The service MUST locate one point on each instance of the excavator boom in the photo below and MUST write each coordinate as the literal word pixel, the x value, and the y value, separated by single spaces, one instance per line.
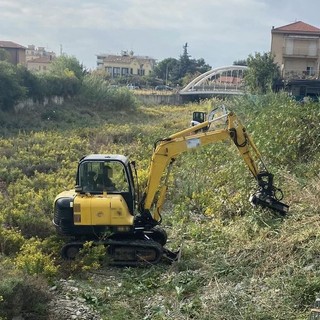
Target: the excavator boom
pixel 166 151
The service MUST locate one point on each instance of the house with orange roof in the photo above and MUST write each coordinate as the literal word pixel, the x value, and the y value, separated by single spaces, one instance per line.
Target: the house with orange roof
pixel 296 48
pixel 39 59
pixel 40 64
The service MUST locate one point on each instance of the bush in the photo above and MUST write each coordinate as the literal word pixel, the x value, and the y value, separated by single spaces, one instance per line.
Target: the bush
pixel 33 261
pixel 11 91
pixel 97 93
pixel 23 296
pixel 11 241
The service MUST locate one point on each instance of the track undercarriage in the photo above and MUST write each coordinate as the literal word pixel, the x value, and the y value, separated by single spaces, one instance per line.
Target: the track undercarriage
pixel 125 251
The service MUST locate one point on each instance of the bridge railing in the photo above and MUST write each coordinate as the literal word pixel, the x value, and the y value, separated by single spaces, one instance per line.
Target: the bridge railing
pixel 216 80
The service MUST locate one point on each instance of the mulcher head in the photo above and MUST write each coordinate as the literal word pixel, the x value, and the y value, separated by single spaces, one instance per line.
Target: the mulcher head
pixel 267 201
pixel 268 196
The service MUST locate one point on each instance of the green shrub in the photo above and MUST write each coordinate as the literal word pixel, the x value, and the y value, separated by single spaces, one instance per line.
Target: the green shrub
pixel 11 91
pixel 33 261
pixel 11 241
pixel 97 93
pixel 23 296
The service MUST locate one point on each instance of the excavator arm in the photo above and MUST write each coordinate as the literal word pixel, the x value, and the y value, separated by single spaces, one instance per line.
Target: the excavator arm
pixel 166 151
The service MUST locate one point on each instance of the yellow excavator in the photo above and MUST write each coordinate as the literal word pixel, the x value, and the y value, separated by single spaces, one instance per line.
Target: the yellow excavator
pixel 104 207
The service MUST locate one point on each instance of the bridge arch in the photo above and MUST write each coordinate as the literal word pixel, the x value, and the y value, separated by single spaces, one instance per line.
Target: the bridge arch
pixel 222 80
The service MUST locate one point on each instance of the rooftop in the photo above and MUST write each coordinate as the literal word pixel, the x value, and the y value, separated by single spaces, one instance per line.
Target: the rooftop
pixel 297 27
pixel 10 44
pixel 125 59
pixel 43 59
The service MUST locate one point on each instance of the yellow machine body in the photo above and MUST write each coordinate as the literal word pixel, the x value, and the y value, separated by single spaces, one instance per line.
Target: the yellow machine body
pixel 104 210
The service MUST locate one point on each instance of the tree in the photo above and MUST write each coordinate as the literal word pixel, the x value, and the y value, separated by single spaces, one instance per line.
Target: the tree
pixel 4 55
pixel 262 73
pixel 186 66
pixel 240 63
pixel 65 76
pixel 190 68
pixel 166 69
pixel 67 66
pixel 31 82
pixel 178 71
pixel 202 66
pixel 11 91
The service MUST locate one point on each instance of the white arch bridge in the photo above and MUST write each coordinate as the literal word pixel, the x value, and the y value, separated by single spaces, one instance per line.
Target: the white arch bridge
pixel 220 81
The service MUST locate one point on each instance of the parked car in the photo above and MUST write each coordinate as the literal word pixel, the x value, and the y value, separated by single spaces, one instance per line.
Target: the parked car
pixel 163 87
pixel 132 87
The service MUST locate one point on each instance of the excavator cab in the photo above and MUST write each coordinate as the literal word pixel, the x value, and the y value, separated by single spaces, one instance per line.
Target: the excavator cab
pixel 111 174
pixel 198 117
pixel 103 198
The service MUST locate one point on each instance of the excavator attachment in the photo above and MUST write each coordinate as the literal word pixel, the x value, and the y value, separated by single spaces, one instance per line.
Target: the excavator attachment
pixel 266 201
pixel 268 196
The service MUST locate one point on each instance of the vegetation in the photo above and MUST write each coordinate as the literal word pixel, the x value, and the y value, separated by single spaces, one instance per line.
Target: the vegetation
pixel 262 73
pixel 237 262
pixel 180 71
pixel 66 78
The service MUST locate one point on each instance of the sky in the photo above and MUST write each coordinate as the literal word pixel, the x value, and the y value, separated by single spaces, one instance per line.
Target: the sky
pixel 219 31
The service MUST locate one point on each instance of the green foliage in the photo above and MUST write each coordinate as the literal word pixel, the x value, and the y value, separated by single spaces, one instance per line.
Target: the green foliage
pixel 65 84
pixel 98 93
pixel 33 261
pixel 262 73
pixel 236 261
pixel 22 295
pixel 11 241
pixel 31 82
pixel 90 258
pixel 179 71
pixel 11 90
pixel 4 55
pixel 67 66
pixel 293 137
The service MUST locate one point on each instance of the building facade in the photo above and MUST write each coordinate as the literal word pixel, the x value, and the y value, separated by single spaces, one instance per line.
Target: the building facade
pixel 125 64
pixel 296 48
pixel 17 52
pixel 33 52
pixel 38 59
pixel 41 64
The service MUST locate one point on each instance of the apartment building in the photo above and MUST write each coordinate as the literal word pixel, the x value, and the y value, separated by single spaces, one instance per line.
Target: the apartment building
pixel 296 47
pixel 33 52
pixel 17 52
pixel 125 64
pixel 38 59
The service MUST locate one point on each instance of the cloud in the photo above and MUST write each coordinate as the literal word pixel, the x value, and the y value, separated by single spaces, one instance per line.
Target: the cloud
pixel 218 31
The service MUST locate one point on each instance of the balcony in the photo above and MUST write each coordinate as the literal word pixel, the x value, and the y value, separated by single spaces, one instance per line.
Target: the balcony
pixel 300 74
pixel 301 52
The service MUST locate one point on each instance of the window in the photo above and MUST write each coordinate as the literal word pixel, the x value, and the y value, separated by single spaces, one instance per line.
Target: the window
pixel 109 70
pixel 310 71
pixel 124 71
pixel 116 71
pixel 98 176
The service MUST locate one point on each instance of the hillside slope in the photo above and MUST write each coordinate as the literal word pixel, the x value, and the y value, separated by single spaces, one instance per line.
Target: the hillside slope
pixel 237 262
